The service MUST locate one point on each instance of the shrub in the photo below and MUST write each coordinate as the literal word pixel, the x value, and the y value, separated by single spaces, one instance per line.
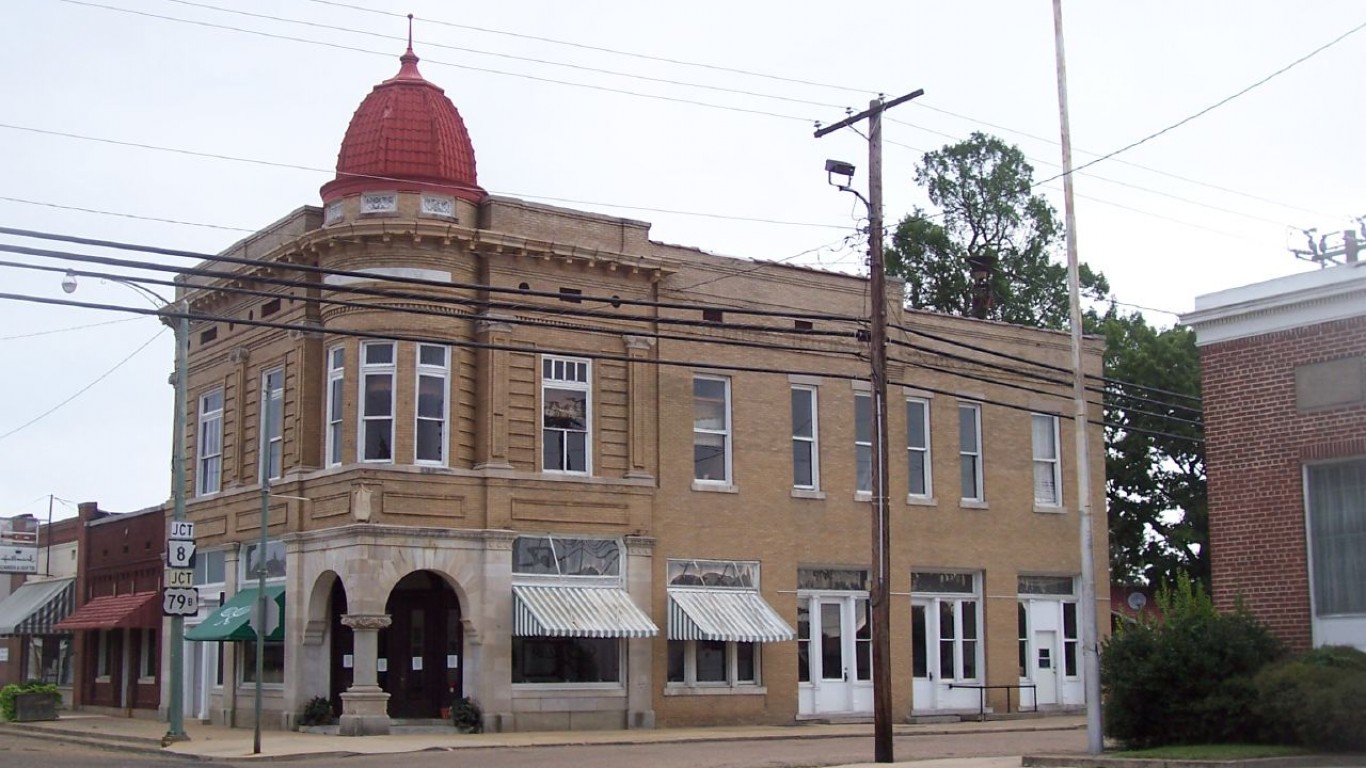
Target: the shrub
pixel 318 711
pixel 8 693
pixel 1317 699
pixel 1186 679
pixel 466 715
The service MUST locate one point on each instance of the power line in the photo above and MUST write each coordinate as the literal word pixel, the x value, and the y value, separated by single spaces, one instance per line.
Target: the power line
pixel 84 389
pixel 135 216
pixel 373 177
pixel 1216 104
pixel 36 334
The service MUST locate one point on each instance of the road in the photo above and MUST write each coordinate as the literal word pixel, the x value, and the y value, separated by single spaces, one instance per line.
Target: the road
pixel 24 752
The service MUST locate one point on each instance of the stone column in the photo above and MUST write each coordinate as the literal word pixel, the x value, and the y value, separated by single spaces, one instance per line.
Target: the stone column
pixel 491 448
pixel 365 706
pixel 640 712
pixel 639 377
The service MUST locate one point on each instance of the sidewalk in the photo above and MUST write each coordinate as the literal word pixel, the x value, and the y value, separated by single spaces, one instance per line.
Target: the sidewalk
pixel 210 742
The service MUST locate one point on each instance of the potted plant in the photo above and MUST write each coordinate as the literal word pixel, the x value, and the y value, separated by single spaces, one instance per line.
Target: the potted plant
pixel 466 715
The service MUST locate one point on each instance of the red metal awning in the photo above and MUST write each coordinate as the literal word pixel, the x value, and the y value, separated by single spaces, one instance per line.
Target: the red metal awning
pixel 135 610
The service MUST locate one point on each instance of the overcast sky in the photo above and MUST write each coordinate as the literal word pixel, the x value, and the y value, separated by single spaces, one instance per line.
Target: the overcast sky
pixel 1203 207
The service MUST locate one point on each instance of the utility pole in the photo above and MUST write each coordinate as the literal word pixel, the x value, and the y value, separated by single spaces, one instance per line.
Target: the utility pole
pixel 1090 643
pixel 879 593
pixel 175 708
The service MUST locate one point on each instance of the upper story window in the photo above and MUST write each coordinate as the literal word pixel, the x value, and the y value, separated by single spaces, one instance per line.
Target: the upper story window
pixel 377 401
pixel 863 442
pixel 711 429
pixel 433 404
pixel 566 414
pixel 919 478
pixel 806 472
pixel 209 476
pixel 970 450
pixel 1047 467
pixel 273 420
pixel 209 567
pixel 336 368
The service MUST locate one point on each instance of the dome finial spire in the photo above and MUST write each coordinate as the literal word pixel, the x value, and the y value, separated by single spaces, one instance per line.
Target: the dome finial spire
pixel 410 33
pixel 408 69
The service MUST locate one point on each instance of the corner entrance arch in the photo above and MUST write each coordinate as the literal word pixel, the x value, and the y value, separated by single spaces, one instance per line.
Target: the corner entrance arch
pixel 420 653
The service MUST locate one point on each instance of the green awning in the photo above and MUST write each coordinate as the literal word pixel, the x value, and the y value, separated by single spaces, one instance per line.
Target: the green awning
pixel 232 620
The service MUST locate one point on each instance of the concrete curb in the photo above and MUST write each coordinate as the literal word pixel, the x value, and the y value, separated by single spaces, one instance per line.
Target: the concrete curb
pixel 1101 761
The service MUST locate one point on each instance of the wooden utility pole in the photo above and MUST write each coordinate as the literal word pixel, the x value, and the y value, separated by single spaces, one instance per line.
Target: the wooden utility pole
pixel 879 592
pixel 1090 642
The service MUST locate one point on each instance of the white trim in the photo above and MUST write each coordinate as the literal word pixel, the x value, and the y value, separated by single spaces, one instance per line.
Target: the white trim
pixel 726 433
pixel 414 273
pixel 1057 501
pixel 265 464
pixel 377 369
pixel 209 417
pixel 1285 303
pixel 814 440
pixel 928 451
pixel 332 443
pixel 979 454
pixel 572 384
pixel 864 494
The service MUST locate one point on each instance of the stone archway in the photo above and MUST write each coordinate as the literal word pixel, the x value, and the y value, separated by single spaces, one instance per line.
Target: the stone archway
pixel 422 647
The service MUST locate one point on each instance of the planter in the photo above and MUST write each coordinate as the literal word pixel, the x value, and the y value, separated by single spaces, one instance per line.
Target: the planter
pixel 31 707
pixel 445 713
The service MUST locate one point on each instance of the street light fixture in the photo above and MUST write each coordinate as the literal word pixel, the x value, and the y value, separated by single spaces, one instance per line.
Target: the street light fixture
pixel 175 715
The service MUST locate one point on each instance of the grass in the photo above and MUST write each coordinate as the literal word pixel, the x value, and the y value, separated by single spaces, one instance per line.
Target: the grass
pixel 1212 752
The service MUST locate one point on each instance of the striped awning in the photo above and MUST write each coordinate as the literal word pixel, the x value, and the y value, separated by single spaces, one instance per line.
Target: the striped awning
pixel 729 615
pixel 36 607
pixel 568 611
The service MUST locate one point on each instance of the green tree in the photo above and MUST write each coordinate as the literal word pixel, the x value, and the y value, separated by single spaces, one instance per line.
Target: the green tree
pixel 1155 478
pixel 982 188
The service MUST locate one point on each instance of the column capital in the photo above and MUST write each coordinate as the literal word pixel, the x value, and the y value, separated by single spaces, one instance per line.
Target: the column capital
pixel 375 621
pixel 638 343
pixel 490 324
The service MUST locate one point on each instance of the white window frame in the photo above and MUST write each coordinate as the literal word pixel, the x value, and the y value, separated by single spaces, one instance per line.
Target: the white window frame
pixel 861 492
pixel 376 369
pixel 927 466
pixel 274 444
pixel 1039 461
pixel 935 644
pixel 209 481
pixel 335 397
pixel 725 433
pixel 549 365
pixel 442 373
pixel 732 681
pixel 976 456
pixel 811 441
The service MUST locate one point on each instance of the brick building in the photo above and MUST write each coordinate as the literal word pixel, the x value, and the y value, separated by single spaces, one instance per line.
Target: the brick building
pixel 33 600
pixel 529 455
pixel 117 620
pixel 1284 388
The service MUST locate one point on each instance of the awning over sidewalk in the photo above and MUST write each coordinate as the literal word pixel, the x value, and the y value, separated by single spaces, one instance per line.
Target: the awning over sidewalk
pixel 728 615
pixel 36 607
pixel 134 610
pixel 567 611
pixel 232 620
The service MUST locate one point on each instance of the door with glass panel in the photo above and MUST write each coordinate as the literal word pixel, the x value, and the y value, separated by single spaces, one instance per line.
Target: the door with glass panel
pixel 835 652
pixel 946 641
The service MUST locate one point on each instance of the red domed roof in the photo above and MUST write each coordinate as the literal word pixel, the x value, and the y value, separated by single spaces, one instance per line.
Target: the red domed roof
pixel 406 135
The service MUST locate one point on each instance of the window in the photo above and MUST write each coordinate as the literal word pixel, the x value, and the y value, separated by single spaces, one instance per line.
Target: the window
pixel 1022 624
pixel 947 623
pixel 806 471
pixel 251 562
pixel 336 368
pixel 433 372
pixel 272 667
pixel 970 450
pixel 147 658
pixel 1070 641
pixel 272 406
pixel 377 401
pixel 566 660
pixel 711 429
pixel 209 476
pixel 208 567
pixel 1336 503
pixel 1047 467
pixel 863 442
pixel 714 662
pixel 566 412
pixel 102 654
pixel 557 556
pixel 918 475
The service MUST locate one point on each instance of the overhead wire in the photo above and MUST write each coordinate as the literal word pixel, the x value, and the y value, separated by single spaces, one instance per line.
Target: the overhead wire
pixel 53 331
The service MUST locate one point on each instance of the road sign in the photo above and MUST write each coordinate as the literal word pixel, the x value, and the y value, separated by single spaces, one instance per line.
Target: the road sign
pixel 178 577
pixel 179 601
pixel 272 617
pixel 180 530
pixel 180 554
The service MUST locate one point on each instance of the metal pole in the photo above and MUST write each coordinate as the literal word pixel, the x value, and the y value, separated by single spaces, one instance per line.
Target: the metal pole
pixel 1095 739
pixel 175 710
pixel 47 570
pixel 881 604
pixel 264 459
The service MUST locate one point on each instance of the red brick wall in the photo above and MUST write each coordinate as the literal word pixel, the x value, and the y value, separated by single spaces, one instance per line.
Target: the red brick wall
pixel 1256 444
